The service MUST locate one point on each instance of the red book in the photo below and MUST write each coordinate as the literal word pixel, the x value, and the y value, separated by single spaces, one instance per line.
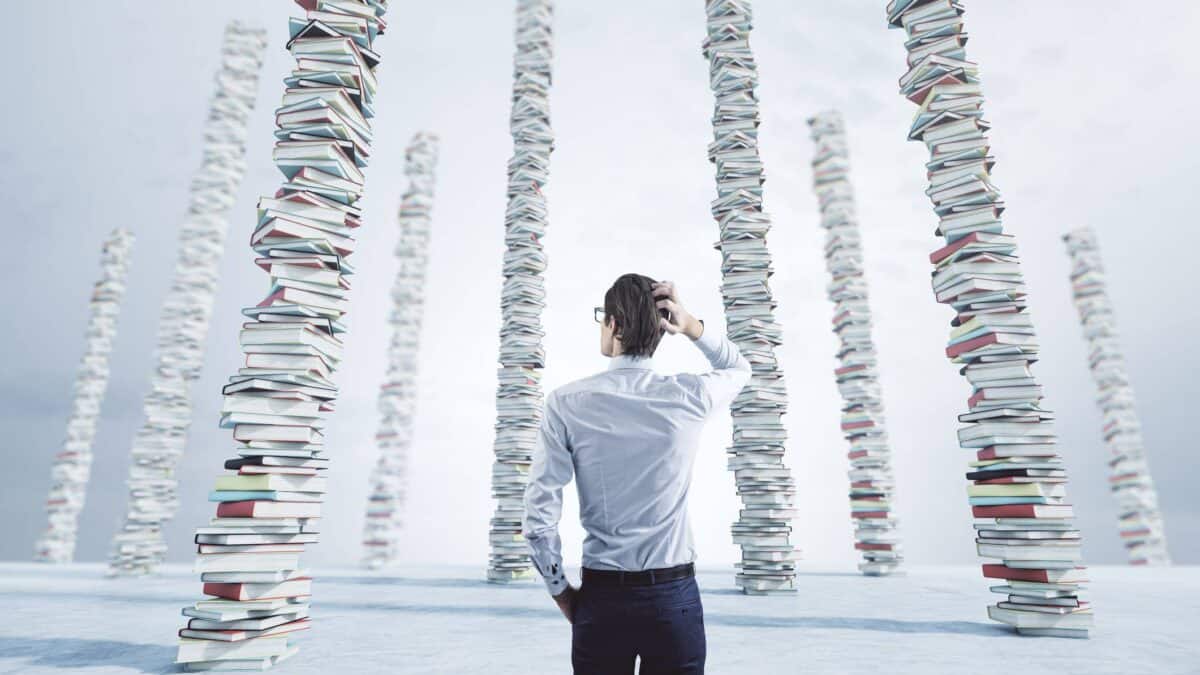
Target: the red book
pixel 1069 576
pixel 268 509
pixel 1024 511
pixel 949 250
pixel 872 547
pixel 848 369
pixel 918 96
pixel 971 345
pixel 292 588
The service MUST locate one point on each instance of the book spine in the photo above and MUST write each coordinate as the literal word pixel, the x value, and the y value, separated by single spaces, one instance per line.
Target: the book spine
pixel 1140 524
pixel 875 531
pixel 397 394
pixel 72 466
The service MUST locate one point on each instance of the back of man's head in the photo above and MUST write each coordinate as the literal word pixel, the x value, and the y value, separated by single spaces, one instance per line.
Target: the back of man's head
pixel 630 304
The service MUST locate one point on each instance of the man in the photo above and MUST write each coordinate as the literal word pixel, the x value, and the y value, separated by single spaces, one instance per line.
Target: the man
pixel 629 436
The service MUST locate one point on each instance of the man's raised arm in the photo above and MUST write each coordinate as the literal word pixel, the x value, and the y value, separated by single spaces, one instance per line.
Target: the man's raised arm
pixel 731 370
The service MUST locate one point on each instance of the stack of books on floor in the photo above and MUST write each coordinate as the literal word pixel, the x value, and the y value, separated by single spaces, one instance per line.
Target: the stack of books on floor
pixel 1139 518
pixel 398 394
pixel 73 464
pixel 138 548
pixel 519 392
pixel 269 505
pixel 1017 495
pixel 764 482
pixel 872 484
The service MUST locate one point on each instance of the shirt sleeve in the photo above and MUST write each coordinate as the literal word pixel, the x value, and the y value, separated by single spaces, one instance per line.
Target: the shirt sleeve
pixel 730 373
pixel 552 469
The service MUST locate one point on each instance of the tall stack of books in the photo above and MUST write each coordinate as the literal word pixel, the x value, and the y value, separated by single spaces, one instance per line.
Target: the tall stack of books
pixel 871 481
pixel 519 393
pixel 269 504
pixel 398 395
pixel 73 464
pixel 764 483
pixel 1139 520
pixel 138 547
pixel 1018 495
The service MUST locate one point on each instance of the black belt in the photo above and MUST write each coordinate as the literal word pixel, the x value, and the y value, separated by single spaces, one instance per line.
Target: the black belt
pixel 642 578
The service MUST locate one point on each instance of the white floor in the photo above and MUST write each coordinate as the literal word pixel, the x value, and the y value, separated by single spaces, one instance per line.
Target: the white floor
pixel 72 619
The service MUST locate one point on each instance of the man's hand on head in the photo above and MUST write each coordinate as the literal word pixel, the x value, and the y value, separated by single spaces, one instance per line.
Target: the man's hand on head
pixel 681 321
pixel 566 602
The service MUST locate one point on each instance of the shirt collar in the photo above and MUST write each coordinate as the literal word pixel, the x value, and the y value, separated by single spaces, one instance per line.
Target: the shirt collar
pixel 624 361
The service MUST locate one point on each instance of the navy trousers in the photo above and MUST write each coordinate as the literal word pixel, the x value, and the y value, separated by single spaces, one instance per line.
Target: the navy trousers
pixel 663 624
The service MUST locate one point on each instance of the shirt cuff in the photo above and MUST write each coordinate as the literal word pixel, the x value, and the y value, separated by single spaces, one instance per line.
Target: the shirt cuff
pixel 709 341
pixel 556 581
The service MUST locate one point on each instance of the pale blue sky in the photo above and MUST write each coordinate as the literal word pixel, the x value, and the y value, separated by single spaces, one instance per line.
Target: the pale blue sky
pixel 1093 115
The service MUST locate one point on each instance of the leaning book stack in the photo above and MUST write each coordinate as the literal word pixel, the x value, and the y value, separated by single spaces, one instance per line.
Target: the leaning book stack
pixel 1017 492
pixel 138 548
pixel 1139 520
pixel 764 483
pixel 398 394
pixel 269 503
pixel 863 424
pixel 73 464
pixel 519 390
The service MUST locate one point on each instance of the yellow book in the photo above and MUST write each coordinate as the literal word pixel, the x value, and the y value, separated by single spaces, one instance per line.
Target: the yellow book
pixel 270 481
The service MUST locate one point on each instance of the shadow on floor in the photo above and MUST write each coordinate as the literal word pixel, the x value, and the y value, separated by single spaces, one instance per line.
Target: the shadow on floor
pixel 77 653
pixel 858 623
pixel 418 582
pixel 728 620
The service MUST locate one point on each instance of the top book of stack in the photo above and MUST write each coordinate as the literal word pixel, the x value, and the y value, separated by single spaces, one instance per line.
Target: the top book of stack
pixel 1018 496
pixel 269 505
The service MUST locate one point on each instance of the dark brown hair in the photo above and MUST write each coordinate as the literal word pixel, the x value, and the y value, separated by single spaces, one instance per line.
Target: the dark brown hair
pixel 630 304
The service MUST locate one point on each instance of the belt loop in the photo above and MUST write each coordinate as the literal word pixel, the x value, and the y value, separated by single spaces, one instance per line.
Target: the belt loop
pixel 652 577
pixel 621 578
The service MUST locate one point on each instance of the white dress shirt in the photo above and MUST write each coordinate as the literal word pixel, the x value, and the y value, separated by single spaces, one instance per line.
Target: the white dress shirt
pixel 629 436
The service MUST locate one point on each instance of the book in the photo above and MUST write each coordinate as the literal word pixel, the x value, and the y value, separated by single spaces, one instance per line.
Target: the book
pixel 269 502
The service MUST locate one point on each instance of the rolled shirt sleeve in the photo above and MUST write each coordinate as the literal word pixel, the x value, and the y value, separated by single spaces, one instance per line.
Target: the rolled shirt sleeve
pixel 552 469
